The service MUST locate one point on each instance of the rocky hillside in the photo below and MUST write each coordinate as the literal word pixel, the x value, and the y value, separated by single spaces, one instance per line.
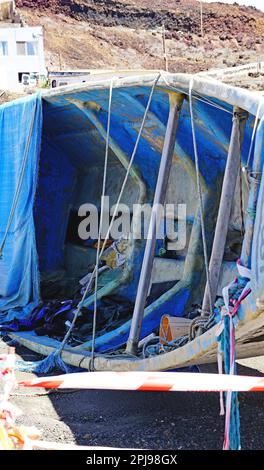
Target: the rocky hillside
pixel 126 33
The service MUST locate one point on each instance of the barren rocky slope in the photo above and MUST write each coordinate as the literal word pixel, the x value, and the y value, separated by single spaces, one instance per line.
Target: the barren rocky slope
pixel 125 33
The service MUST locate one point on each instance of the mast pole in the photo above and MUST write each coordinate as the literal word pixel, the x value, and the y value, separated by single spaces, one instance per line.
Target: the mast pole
pixel 176 100
pixel 225 207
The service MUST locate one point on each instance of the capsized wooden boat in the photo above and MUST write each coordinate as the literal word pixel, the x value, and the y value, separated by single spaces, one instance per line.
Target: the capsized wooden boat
pixel 70 171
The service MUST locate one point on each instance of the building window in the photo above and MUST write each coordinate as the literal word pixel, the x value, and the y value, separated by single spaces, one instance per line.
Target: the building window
pixel 21 48
pixel 3 48
pixel 32 48
pixel 27 48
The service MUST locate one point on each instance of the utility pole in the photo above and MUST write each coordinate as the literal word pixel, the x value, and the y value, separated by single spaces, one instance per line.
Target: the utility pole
pixel 164 47
pixel 60 60
pixel 202 23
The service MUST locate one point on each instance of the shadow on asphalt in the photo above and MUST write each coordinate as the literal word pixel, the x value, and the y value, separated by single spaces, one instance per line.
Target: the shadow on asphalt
pixel 142 420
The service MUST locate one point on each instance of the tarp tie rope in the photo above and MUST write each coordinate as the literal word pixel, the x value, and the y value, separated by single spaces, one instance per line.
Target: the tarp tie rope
pixel 20 181
pixel 220 371
pixel 118 202
pixel 200 195
pixel 197 96
pixel 111 223
pixel 119 197
pixel 54 359
pixel 101 221
pixel 226 334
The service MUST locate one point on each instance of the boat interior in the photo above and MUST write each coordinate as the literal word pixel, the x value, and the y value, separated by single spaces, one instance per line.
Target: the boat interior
pixel 128 123
pixel 71 174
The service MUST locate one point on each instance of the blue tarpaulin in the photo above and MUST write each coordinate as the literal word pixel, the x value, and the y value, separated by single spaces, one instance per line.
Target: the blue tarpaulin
pixel 20 136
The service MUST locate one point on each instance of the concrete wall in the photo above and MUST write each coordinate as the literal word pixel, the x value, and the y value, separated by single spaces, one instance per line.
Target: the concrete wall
pixel 12 64
pixel 234 72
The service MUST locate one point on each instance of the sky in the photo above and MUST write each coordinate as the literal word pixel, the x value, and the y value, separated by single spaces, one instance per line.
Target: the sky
pixel 255 3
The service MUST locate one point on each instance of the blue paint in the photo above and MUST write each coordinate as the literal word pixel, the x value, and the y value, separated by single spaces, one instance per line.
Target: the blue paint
pixel 71 148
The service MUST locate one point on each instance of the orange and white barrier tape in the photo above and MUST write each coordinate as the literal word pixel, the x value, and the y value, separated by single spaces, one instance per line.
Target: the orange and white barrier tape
pixel 12 437
pixel 151 381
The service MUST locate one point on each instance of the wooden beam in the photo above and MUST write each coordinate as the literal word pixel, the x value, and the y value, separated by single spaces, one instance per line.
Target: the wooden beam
pixel 225 207
pixel 176 100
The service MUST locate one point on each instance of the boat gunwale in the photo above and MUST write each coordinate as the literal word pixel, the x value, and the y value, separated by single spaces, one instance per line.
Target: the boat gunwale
pixel 201 350
pixel 179 82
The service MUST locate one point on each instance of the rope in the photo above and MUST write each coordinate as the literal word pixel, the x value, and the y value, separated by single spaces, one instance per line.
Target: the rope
pixel 125 179
pixel 162 345
pixel 226 341
pixel 20 181
pixel 199 188
pixel 241 201
pixel 54 359
pixel 95 272
pixel 130 163
pixel 251 213
pixel 201 324
pixel 205 100
pixel 101 219
pixel 256 123
pixel 232 419
pixel 197 96
pixel 115 211
pixel 121 191
pixel 122 188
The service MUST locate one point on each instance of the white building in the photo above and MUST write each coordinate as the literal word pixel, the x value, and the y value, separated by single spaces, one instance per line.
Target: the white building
pixel 7 9
pixel 21 51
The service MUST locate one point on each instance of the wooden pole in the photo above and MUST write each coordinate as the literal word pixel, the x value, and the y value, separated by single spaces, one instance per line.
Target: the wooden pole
pixel 176 100
pixel 60 61
pixel 165 48
pixel 202 25
pixel 226 201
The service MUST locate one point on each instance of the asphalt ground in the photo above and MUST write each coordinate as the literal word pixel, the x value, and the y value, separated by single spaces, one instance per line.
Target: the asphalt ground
pixel 142 420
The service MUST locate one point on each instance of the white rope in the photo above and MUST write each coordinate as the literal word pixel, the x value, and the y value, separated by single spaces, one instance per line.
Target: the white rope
pixel 130 163
pixel 126 176
pixel 197 96
pixel 101 217
pixel 206 100
pixel 199 188
pixel 77 312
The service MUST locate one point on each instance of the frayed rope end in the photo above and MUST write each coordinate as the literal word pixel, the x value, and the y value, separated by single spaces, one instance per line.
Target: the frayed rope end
pixel 53 361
